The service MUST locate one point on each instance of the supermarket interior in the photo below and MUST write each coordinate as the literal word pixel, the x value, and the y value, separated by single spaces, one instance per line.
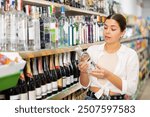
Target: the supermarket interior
pixel 43 42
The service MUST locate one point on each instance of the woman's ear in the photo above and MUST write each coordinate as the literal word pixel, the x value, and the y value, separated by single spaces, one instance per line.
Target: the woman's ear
pixel 123 33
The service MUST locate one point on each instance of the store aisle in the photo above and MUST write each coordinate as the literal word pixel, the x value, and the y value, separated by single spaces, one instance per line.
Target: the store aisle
pixel 145 94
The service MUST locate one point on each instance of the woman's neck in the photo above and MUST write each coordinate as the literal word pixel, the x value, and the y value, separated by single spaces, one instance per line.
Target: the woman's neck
pixel 112 47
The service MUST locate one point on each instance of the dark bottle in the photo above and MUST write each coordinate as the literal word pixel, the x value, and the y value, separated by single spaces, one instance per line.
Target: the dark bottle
pixel 30 82
pixel 77 62
pixel 67 69
pixel 58 71
pixel 53 75
pixel 63 72
pixel 37 79
pixel 43 78
pixel 23 87
pixel 47 75
pixel 74 65
pixel 14 93
pixel 2 95
pixel 71 68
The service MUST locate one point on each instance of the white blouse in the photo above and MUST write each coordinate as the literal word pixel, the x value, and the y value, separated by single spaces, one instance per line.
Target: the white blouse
pixel 126 68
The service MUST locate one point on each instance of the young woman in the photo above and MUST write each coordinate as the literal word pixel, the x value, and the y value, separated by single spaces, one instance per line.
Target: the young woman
pixel 117 67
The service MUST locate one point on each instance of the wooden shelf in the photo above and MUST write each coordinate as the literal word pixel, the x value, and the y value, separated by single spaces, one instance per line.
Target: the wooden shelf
pixel 46 52
pixel 65 92
pixel 69 10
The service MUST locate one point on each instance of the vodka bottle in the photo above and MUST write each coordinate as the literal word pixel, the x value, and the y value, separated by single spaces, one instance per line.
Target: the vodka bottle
pixel 53 27
pixel 63 29
pixel 11 26
pixel 22 27
pixel 84 56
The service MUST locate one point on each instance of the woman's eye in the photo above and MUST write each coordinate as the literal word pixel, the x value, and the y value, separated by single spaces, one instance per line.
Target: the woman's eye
pixel 105 27
pixel 113 29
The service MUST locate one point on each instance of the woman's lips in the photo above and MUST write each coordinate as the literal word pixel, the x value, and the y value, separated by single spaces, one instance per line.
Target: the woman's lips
pixel 107 37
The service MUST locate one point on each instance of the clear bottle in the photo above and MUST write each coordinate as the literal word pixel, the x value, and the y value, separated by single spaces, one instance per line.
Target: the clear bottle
pixel 2 27
pixel 22 27
pixel 44 29
pixel 84 56
pixel 11 19
pixel 53 27
pixel 33 28
pixel 63 29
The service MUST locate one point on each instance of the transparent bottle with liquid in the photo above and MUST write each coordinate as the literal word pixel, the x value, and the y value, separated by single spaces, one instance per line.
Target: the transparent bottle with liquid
pixel 84 56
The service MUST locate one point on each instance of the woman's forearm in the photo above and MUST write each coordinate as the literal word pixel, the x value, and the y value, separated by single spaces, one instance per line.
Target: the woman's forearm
pixel 84 79
pixel 115 80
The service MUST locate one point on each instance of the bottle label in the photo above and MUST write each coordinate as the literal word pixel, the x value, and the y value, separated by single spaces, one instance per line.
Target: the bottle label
pixel 2 97
pixel 31 33
pixel 64 81
pixel 60 82
pixel 44 89
pixel 38 93
pixel 24 96
pixel 32 95
pixel 75 79
pixel 46 31
pixel 15 97
pixel 68 80
pixel 49 88
pixel 55 86
pixel 72 79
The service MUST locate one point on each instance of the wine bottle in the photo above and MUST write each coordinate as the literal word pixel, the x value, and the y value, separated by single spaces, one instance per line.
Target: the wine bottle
pixel 70 67
pixel 59 74
pixel 37 79
pixel 66 66
pixel 53 75
pixel 47 74
pixel 30 82
pixel 2 95
pixel 23 87
pixel 77 62
pixel 63 72
pixel 74 65
pixel 43 78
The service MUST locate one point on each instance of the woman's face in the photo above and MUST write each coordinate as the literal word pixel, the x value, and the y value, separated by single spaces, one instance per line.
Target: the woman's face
pixel 112 32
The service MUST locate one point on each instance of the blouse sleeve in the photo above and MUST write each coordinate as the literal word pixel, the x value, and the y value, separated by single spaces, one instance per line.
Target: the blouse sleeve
pixel 129 85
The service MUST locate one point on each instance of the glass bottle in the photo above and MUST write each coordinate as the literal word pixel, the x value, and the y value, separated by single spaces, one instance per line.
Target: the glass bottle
pixel 23 87
pixel 37 79
pixel 53 27
pixel 43 78
pixel 30 82
pixel 63 29
pixel 22 27
pixel 53 75
pixel 2 27
pixel 84 56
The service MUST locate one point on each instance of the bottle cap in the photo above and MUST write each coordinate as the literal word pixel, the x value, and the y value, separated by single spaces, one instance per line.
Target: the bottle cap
pixel 62 9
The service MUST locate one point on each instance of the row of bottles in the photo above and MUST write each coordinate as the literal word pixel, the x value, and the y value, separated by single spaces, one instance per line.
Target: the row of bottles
pixel 93 5
pixel 38 28
pixel 45 76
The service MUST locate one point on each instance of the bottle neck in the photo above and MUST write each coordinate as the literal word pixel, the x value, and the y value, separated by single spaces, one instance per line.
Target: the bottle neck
pixel 51 63
pixel 45 67
pixel 19 5
pixel 34 66
pixel 28 69
pixel 60 60
pixel 56 60
pixel 40 68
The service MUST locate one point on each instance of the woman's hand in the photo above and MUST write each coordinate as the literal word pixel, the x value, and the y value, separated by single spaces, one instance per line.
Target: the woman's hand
pixel 83 67
pixel 100 72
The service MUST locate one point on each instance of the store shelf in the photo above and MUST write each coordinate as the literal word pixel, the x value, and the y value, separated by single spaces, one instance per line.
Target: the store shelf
pixel 65 92
pixel 69 10
pixel 46 52
pixel 133 38
pixel 141 50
